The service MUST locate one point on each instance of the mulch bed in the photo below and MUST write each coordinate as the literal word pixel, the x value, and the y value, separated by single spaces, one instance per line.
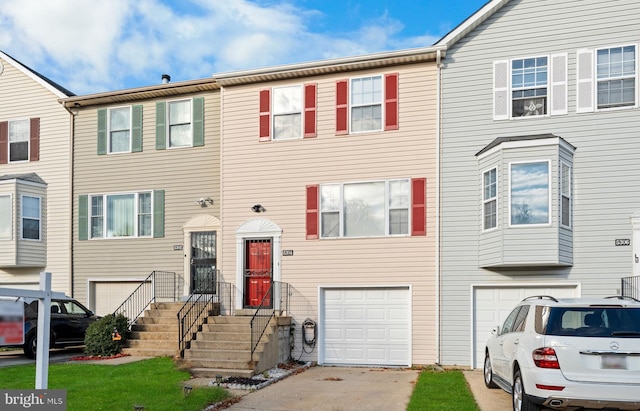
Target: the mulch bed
pixel 98 357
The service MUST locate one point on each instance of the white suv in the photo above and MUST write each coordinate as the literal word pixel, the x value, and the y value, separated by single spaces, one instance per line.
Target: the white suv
pixel 568 354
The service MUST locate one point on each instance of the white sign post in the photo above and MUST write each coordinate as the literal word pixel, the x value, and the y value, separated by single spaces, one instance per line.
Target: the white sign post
pixel 44 296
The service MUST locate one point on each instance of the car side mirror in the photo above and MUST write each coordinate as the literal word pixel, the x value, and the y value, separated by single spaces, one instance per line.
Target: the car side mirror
pixel 496 330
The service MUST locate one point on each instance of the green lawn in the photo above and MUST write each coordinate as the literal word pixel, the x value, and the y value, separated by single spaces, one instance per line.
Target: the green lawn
pixel 442 391
pixel 155 384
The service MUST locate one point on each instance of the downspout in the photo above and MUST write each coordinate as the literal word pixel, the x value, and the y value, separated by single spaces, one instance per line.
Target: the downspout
pixel 438 205
pixel 72 133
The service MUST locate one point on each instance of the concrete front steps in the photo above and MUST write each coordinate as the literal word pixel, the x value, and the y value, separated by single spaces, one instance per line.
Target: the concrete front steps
pixel 155 333
pixel 223 348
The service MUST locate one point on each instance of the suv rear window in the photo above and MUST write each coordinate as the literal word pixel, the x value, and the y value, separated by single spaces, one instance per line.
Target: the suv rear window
pixel 599 321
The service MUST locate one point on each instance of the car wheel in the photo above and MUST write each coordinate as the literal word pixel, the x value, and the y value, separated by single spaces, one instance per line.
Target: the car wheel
pixel 519 397
pixel 30 346
pixel 488 373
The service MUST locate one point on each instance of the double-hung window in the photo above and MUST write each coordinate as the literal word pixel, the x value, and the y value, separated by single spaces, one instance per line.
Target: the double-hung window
pixel 616 77
pixel 534 86
pixel 529 193
pixel 529 87
pixel 121 215
pixel 6 217
pixel 287 112
pixel 565 194
pixel 19 140
pixel 179 114
pixel 31 216
pixel 120 130
pixel 367 209
pixel 366 104
pixel 490 199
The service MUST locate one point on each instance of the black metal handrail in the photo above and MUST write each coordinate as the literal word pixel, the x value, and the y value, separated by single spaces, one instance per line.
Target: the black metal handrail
pixel 158 285
pixel 631 287
pixel 195 311
pixel 263 315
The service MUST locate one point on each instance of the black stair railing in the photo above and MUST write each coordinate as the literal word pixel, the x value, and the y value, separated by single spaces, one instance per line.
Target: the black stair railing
pixel 198 307
pixel 631 287
pixel 165 285
pixel 280 294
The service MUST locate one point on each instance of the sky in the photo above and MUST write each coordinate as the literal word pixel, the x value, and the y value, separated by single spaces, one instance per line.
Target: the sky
pixel 93 46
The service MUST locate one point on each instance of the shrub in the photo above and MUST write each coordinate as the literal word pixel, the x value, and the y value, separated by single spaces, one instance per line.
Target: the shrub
pixel 99 340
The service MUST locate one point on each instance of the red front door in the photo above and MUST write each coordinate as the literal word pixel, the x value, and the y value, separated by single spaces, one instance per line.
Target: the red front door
pixel 258 273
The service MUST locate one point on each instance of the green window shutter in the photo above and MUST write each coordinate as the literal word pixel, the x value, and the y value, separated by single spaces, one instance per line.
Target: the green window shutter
pixel 161 125
pixel 102 131
pixel 136 129
pixel 158 213
pixel 198 121
pixel 83 217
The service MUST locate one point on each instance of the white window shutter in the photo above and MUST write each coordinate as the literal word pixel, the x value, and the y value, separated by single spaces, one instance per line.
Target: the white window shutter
pixel 585 87
pixel 501 100
pixel 558 98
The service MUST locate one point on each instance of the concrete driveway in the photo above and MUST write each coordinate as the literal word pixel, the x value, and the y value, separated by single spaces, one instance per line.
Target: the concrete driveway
pixel 335 389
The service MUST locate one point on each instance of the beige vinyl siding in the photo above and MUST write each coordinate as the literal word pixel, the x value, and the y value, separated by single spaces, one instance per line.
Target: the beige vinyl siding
pixel 185 175
pixel 275 175
pixel 24 97
pixel 603 165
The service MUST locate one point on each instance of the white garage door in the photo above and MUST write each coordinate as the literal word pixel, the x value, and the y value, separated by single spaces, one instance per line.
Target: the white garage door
pixel 492 305
pixel 107 296
pixel 366 326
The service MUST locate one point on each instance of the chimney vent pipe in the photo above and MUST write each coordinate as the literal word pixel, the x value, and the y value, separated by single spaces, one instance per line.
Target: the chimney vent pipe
pixel 166 78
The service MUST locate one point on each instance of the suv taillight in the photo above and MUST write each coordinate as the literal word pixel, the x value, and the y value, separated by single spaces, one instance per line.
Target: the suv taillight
pixel 545 357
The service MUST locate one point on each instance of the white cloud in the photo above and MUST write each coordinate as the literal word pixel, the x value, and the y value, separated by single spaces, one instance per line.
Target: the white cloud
pixel 94 46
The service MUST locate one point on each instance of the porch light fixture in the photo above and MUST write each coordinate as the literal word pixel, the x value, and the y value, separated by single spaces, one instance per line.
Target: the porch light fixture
pixel 204 202
pixel 258 208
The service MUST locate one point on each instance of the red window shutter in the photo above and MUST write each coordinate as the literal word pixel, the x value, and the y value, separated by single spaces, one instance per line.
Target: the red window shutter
pixel 419 206
pixel 34 140
pixel 391 101
pixel 4 142
pixel 312 212
pixel 310 110
pixel 265 115
pixel 342 107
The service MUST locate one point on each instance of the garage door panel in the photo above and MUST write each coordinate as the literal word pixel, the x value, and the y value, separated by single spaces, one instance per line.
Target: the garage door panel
pixel 370 329
pixel 108 296
pixel 491 306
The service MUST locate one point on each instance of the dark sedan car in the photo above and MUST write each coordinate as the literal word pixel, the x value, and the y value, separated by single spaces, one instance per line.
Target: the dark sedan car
pixel 69 322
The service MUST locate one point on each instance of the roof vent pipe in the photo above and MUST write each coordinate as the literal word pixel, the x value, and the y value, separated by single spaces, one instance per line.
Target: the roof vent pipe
pixel 166 78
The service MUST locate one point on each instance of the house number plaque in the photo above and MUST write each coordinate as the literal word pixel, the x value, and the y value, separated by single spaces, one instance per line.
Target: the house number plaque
pixel 287 253
pixel 623 241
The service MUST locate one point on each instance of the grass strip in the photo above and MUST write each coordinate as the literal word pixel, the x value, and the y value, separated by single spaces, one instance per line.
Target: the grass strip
pixel 155 383
pixel 442 391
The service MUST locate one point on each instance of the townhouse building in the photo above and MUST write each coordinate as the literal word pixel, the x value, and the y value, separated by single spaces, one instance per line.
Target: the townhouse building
pixel 146 191
pixel 35 178
pixel 540 121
